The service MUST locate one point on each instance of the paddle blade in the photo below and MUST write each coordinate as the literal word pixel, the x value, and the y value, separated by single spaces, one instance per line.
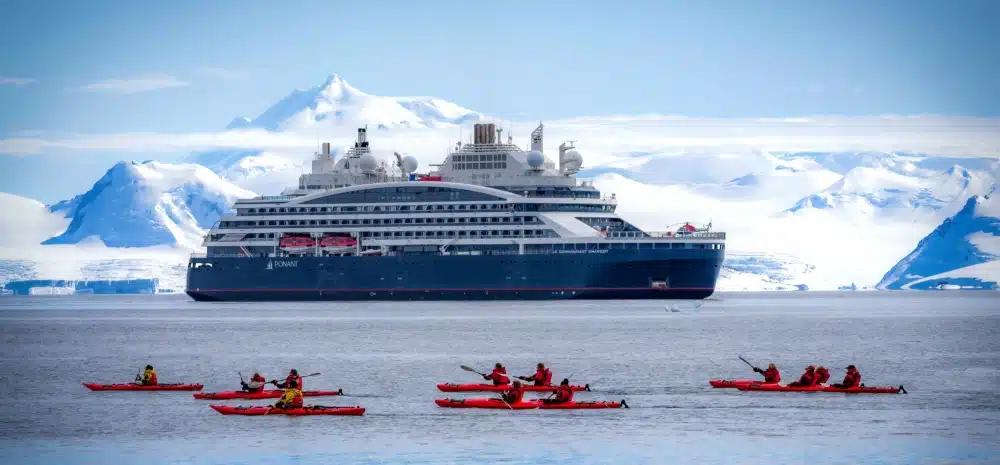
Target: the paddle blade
pixel 468 369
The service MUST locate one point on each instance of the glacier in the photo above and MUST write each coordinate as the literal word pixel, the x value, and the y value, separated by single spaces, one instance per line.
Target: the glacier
pixel 147 204
pixel 963 251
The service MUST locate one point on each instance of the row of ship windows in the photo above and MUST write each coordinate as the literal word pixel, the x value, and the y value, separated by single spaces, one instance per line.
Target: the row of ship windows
pixel 377 208
pixel 382 222
pixel 480 157
pixel 390 234
pixel 419 208
pixel 480 166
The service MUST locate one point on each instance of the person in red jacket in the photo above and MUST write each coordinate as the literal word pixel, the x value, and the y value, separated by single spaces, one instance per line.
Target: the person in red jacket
pixel 771 375
pixel 256 384
pixel 293 375
pixel 542 376
pixel 808 378
pixel 851 379
pixel 564 393
pixel 514 394
pixel 822 375
pixel 499 376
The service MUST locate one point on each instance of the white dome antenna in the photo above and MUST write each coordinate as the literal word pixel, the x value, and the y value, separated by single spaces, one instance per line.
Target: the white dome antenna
pixel 535 160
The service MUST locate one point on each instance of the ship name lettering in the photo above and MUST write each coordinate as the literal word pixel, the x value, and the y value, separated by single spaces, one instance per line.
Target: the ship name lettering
pixel 286 263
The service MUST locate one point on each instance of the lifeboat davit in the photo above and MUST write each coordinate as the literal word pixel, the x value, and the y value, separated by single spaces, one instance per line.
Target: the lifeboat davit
pixel 297 244
pixel 338 244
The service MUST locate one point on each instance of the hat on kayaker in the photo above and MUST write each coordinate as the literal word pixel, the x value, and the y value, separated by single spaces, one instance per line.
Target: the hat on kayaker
pixel 294 372
pixel 565 382
pixel 810 367
pixel 851 367
pixel 149 367
pixel 499 366
pixel 772 366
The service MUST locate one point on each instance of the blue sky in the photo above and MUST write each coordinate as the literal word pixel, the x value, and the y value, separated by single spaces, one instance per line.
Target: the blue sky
pixel 203 63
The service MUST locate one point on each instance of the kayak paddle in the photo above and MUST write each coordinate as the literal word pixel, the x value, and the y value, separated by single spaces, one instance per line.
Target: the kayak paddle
pixel 241 377
pixel 471 369
pixel 273 381
pixel 748 363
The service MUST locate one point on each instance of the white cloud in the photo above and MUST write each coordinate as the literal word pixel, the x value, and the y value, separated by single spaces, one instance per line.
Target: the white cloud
pixel 602 139
pixel 144 83
pixel 223 73
pixel 15 81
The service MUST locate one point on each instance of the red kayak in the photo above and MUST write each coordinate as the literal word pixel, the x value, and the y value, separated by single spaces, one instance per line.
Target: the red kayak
pixel 780 388
pixel 140 387
pixel 303 411
pixel 489 403
pixel 733 383
pixel 448 387
pixel 867 390
pixel 821 388
pixel 267 394
pixel 585 405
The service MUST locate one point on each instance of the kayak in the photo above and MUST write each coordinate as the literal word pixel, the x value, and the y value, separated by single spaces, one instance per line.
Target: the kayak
pixel 489 403
pixel 266 394
pixel 733 383
pixel 585 405
pixel 780 388
pixel 822 388
pixel 867 390
pixel 449 387
pixel 303 411
pixel 140 387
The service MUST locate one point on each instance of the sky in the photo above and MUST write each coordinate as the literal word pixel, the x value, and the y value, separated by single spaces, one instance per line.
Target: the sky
pixel 190 66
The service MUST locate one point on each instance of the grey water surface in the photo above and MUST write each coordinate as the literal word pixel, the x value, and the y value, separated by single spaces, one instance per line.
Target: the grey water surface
pixel 943 347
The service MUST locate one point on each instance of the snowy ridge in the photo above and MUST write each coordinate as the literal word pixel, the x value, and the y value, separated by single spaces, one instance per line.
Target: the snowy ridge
pixel 147 204
pixel 336 101
pixel 964 251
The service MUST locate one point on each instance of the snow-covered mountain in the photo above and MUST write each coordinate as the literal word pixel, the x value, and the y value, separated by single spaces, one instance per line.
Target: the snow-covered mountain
pixel 148 204
pixel 963 251
pixel 337 102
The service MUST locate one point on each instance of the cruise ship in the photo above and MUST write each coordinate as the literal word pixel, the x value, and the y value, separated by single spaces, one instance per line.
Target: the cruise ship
pixel 491 222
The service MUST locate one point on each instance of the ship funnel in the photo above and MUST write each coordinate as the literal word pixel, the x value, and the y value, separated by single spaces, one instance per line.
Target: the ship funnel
pixel 484 133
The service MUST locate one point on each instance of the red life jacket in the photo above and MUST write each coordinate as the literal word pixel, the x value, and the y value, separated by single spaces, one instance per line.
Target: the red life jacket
pixel 771 375
pixel 822 376
pixel 808 378
pixel 513 395
pixel 564 394
pixel 542 377
pixel 852 379
pixel 298 381
pixel 499 376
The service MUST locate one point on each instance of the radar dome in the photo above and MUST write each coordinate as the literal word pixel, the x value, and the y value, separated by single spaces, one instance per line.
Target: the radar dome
pixel 410 164
pixel 535 159
pixel 572 161
pixel 367 163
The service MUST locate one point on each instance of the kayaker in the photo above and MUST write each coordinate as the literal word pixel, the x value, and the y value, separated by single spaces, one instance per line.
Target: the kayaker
pixel 293 375
pixel 542 376
pixel 808 378
pixel 292 397
pixel 499 376
pixel 851 379
pixel 564 393
pixel 148 377
pixel 771 375
pixel 822 375
pixel 514 394
pixel 256 384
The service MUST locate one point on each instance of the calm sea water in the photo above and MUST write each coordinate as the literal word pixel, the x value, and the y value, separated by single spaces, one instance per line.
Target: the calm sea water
pixel 944 347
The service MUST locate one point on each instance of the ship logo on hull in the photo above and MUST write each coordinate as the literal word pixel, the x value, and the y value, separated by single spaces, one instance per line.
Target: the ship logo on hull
pixel 272 264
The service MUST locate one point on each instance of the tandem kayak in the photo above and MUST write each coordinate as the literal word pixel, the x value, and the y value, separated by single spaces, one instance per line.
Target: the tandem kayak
pixel 267 394
pixel 489 403
pixel 303 411
pixel 822 388
pixel 585 405
pixel 140 387
pixel 733 383
pixel 449 387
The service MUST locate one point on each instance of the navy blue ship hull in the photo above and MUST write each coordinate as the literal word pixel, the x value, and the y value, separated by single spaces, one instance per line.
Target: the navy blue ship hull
pixel 604 274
